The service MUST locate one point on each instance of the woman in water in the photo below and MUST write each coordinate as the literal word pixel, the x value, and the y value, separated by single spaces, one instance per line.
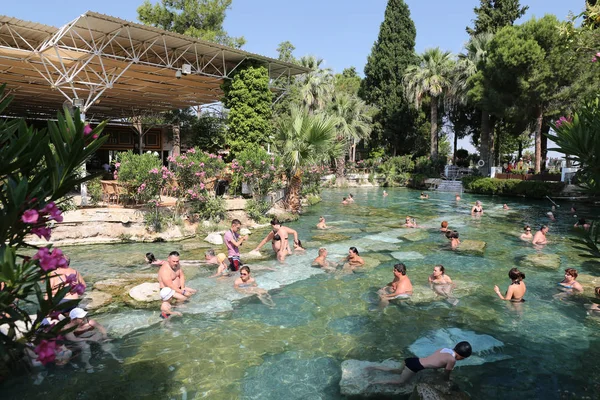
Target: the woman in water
pixel 441 283
pixel 477 208
pixel 444 227
pixel 150 259
pixel 453 237
pixel 246 284
pixel 322 224
pixel 279 239
pixel 570 282
pixel 516 289
pixel 527 234
pixel 410 222
pixel 353 260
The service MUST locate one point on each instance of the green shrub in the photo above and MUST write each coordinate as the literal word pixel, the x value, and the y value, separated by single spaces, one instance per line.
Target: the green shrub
pixel 94 188
pixel 257 168
pixel 511 187
pixel 313 199
pixel 257 210
pixel 208 209
pixel 142 175
pixel 155 220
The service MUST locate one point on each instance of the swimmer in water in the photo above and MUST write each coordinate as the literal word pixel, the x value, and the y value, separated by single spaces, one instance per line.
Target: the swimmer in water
pixel 150 259
pixel 516 289
pixel 385 193
pixel 423 196
pixel 223 269
pixel 322 224
pixel 594 308
pixel 457 197
pixel 322 262
pixel 505 207
pixel 400 287
pixel 477 208
pixel 246 284
pixel 441 283
pixel 345 201
pixel 570 282
pixel 527 234
pixel 444 227
pixel 354 259
pixel 453 237
pixel 540 236
pixel 582 224
pixel 350 198
pixel 410 222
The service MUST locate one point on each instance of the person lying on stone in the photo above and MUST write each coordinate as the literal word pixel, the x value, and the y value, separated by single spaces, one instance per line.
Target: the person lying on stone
pixel 442 358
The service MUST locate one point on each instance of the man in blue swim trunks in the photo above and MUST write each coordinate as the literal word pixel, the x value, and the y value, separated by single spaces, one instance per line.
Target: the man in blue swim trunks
pixel 442 358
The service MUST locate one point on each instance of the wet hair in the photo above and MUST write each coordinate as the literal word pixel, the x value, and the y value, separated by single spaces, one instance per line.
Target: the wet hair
pixel 350 195
pixel 150 258
pixel 400 267
pixel 422 194
pixel 444 224
pixel 581 221
pixel 597 290
pixel 463 349
pixel 210 253
pixel 344 198
pixel 321 217
pixel 245 268
pixel 275 221
pixel 174 253
pixel 354 250
pixel 299 243
pixel 448 234
pixel 452 235
pixel 516 275
pixel 236 222
pixel 572 272
pixel 527 227
pixel 441 267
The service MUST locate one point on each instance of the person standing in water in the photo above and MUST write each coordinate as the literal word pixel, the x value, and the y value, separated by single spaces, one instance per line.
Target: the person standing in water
pixel 540 236
pixel 322 224
pixel 400 287
pixel 233 241
pixel 350 198
pixel 385 193
pixel 477 208
pixel 516 289
pixel 442 358
pixel 527 234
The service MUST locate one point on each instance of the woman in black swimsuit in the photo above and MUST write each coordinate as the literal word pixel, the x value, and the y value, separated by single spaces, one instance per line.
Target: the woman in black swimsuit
pixel 477 209
pixel 516 290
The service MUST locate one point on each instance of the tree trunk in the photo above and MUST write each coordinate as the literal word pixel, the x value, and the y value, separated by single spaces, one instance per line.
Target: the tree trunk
pixel 455 145
pixel 520 154
pixel 340 170
pixel 434 128
pixel 545 130
pixel 484 142
pixel 293 195
pixel 538 139
pixel 497 154
pixel 176 140
pixel 137 125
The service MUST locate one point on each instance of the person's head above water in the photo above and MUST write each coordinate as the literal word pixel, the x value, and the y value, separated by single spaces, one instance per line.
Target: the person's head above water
pixel 571 272
pixel 321 218
pixel 439 270
pixel 275 222
pixel 444 224
pixel 597 291
pixel 209 253
pixel 451 234
pixel 150 258
pixel 544 228
pixel 354 250
pixel 400 268
pixel 463 350
pixel 322 251
pixel 527 228
pixel 516 275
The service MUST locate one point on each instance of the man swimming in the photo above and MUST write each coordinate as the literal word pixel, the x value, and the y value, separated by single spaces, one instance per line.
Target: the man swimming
pixel 322 224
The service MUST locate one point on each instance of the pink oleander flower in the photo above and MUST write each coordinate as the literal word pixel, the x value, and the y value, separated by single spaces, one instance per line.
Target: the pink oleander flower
pixel 78 289
pixel 49 261
pixel 272 168
pixel 53 212
pixel 70 279
pixel 115 175
pixel 192 151
pixel 87 130
pixel 153 171
pixel 594 59
pixel 30 217
pixel 141 188
pixel 197 174
pixel 171 159
pixel 262 162
pixel 202 186
pixel 117 165
pixel 95 136
pixel 42 232
pixel 201 164
pixel 46 351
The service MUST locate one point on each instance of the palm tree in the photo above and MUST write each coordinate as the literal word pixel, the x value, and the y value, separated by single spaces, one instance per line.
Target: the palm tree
pixel 431 77
pixel 468 65
pixel 316 87
pixel 353 125
pixel 304 140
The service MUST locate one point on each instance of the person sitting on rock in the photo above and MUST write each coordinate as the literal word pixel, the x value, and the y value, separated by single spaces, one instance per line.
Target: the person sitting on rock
pixel 527 234
pixel 223 269
pixel 570 282
pixel 322 224
pixel 150 259
pixel 442 358
pixel 166 311
pixel 171 275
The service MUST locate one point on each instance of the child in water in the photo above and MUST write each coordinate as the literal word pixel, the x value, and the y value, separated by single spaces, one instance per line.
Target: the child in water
pixel 223 269
pixel 166 294
pixel 443 358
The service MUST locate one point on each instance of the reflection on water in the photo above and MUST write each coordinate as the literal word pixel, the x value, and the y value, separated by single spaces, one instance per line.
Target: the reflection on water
pixel 228 346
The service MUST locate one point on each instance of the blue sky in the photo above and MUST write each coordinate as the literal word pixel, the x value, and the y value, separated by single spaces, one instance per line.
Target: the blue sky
pixel 340 31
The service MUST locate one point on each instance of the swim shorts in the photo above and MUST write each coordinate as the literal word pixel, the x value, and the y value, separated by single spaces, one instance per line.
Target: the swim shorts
pixel 414 364
pixel 235 263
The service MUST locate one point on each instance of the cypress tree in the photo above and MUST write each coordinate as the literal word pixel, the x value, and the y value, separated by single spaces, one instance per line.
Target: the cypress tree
pixel 493 15
pixel 392 53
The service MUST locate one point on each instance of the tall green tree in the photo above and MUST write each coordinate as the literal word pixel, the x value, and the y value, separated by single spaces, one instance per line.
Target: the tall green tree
pixel 285 51
pixel 347 82
pixel 526 74
pixel 316 87
pixel 493 15
pixel 382 87
pixel 432 77
pixel 198 18
pixel 249 101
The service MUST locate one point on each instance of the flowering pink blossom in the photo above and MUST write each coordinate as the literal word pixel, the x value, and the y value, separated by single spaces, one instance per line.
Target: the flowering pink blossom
pixel 30 217
pixel 202 186
pixel 53 212
pixel 42 232
pixel 70 279
pixel 141 188
pixel 117 165
pixel 49 261
pixel 171 159
pixel 272 168
pixel 87 130
pixel 201 164
pixel 78 289
pixel 594 59
pixel 153 171
pixel 262 162
pixel 46 351
pixel 192 151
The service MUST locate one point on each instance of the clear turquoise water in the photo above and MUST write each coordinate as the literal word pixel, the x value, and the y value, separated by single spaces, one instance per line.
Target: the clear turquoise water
pixel 227 346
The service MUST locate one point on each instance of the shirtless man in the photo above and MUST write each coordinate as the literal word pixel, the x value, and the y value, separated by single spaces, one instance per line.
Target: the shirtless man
pixel 540 236
pixel 321 260
pixel 350 198
pixel 505 207
pixel 442 358
pixel 399 287
pixel 171 275
pixel 322 224
pixel 353 260
pixel 345 201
